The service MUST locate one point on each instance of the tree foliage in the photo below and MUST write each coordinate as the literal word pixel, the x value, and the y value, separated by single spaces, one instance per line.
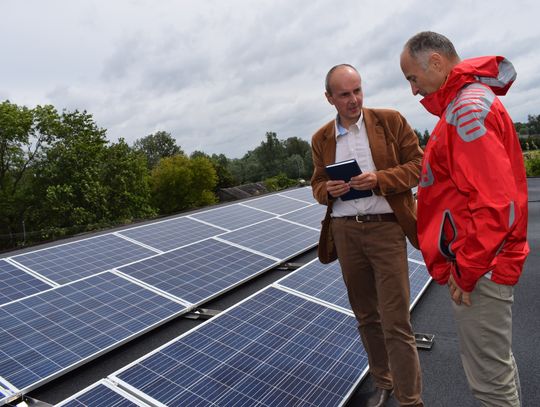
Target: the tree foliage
pixel 58 175
pixel 179 183
pixel 290 157
pixel 157 146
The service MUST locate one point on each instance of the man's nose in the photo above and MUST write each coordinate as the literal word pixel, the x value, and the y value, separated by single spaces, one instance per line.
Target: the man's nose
pixel 414 89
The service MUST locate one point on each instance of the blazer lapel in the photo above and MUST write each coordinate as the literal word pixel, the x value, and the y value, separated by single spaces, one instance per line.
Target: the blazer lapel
pixel 330 143
pixel 376 137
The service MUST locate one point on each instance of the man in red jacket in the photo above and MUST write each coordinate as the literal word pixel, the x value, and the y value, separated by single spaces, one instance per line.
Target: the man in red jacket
pixel 472 204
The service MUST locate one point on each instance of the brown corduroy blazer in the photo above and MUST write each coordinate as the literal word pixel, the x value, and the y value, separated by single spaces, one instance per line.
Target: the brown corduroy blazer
pixel 397 157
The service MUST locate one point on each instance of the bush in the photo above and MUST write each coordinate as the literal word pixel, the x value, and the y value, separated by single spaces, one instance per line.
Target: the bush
pixel 279 182
pixel 532 165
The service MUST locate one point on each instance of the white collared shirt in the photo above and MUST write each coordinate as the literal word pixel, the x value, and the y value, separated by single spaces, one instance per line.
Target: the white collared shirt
pixel 353 143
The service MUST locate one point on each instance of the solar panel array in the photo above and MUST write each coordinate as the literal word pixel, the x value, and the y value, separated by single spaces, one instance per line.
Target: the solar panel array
pixel 294 343
pixel 200 271
pixel 182 261
pixel 102 393
pixel 273 349
pixel 56 330
pixel 16 283
pixel 274 237
pixel 324 282
pixel 72 261
pixel 171 234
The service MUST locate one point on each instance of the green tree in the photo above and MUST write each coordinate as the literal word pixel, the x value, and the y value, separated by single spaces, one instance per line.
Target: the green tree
pixel 221 165
pixel 425 139
pixel 533 124
pixel 157 146
pixel 270 155
pixel 419 135
pixel 23 133
pixel 294 166
pixel 127 179
pixel 179 183
pixel 69 185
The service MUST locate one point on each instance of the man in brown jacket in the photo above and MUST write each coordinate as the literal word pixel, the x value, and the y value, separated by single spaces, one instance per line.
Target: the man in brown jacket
pixel 368 234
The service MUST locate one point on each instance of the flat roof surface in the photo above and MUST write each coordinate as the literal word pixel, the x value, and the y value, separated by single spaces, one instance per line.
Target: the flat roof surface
pixel 443 378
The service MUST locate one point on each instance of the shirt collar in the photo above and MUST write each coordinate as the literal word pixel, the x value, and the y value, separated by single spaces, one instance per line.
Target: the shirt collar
pixel 342 131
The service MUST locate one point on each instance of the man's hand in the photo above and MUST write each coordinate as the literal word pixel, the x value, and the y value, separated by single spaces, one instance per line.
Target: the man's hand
pixel 337 188
pixel 458 295
pixel 364 181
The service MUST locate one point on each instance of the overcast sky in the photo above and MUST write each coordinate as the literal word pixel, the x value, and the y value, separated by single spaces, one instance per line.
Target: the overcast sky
pixel 219 74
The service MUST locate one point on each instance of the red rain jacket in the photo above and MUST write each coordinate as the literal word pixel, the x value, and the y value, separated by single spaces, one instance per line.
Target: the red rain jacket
pixel 472 197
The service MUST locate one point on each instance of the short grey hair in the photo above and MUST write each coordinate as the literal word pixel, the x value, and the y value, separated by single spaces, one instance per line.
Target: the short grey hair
pixel 428 41
pixel 331 71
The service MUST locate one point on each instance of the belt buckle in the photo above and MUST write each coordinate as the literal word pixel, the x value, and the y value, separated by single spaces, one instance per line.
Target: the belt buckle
pixel 358 220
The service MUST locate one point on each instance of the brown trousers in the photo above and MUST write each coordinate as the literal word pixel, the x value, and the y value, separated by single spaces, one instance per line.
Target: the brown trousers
pixel 373 260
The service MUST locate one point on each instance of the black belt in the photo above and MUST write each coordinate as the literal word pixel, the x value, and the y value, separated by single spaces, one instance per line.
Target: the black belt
pixel 380 217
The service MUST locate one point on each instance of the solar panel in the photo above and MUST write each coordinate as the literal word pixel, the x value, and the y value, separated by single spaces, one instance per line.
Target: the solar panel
pixel 171 234
pixel 49 333
pixel 72 261
pixel 419 279
pixel 274 237
pixel 275 204
pixel 273 349
pixel 311 216
pixel 102 393
pixel 16 283
pixel 321 281
pixel 200 271
pixel 324 282
pixel 413 253
pixel 303 194
pixel 233 216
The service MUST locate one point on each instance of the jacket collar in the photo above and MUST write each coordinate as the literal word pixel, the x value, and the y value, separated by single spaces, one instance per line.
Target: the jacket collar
pixel 376 137
pixel 495 71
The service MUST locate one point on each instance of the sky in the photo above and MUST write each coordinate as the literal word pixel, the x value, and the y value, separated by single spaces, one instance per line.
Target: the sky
pixel 218 74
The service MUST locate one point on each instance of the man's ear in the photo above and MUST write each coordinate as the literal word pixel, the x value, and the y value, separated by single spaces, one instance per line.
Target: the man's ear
pixel 436 62
pixel 329 98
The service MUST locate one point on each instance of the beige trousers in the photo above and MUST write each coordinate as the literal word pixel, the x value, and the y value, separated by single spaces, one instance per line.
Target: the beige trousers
pixel 485 341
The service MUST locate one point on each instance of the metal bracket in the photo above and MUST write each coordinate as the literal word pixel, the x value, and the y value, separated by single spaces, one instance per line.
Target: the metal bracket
pixel 26 401
pixel 424 341
pixel 201 313
pixel 289 266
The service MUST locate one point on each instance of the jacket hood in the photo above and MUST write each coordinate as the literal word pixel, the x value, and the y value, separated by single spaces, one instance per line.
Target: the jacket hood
pixel 494 71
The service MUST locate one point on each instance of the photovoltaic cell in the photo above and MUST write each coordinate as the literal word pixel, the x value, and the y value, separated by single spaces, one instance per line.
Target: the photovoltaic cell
pixel 413 253
pixel 419 279
pixel 321 281
pixel 273 349
pixel 325 282
pixel 52 332
pixel 16 283
pixel 311 216
pixel 171 234
pixel 72 261
pixel 304 194
pixel 275 204
pixel 233 216
pixel 102 394
pixel 274 237
pixel 199 271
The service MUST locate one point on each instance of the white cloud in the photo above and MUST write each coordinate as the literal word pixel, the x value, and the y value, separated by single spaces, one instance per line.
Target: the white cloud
pixel 217 75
